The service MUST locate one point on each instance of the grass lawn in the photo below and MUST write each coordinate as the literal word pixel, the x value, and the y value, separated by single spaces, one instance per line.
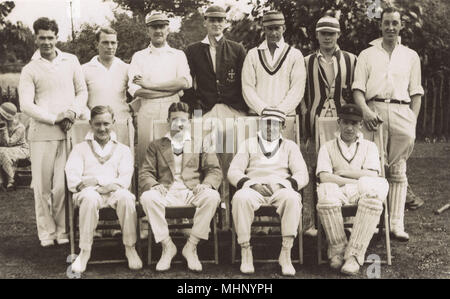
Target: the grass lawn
pixel 426 255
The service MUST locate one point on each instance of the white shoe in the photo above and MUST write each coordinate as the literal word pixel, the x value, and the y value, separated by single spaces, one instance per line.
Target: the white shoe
pixel 336 262
pixel 134 261
pixel 190 254
pixel 62 241
pixel 80 263
pixel 168 252
pixel 285 262
pixel 247 260
pixel 47 243
pixel 351 266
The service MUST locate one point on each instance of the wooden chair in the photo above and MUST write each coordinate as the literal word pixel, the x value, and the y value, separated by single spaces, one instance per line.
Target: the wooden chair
pixel 246 127
pixel 325 130
pixel 159 130
pixel 107 216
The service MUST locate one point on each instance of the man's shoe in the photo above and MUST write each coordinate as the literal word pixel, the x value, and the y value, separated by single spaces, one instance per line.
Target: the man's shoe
pixel 47 243
pixel 351 266
pixel 413 202
pixel 168 252
pixel 336 262
pixel 62 241
pixel 80 263
pixel 400 235
pixel 190 254
pixel 287 269
pixel 247 260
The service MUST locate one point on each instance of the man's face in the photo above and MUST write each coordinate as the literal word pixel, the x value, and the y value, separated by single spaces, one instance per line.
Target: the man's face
pixel 349 129
pixel 270 129
pixel 327 40
pixel 158 34
pixel 179 124
pixel 274 33
pixel 215 26
pixel 46 42
pixel 107 45
pixel 391 26
pixel 101 125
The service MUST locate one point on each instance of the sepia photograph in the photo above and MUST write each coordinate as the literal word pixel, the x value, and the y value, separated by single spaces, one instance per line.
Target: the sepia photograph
pixel 215 144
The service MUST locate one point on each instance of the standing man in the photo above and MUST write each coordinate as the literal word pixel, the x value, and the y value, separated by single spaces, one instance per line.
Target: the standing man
pixel 388 88
pixel 157 76
pixel 328 87
pixel 52 91
pixel 216 66
pixel 274 73
pixel 107 75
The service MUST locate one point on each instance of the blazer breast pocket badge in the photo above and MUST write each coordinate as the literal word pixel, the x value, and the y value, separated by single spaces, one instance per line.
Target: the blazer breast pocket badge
pixel 231 75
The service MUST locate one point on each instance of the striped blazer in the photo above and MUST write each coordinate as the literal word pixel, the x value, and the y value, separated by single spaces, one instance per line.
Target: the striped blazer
pixel 316 91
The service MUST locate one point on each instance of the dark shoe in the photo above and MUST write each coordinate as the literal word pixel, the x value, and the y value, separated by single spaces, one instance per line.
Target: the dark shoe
pixel 401 236
pixel 10 187
pixel 413 202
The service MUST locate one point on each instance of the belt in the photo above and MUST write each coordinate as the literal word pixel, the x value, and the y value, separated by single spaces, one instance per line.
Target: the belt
pixel 393 101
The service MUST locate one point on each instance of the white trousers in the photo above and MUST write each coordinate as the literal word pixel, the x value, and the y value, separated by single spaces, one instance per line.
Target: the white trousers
pixel 90 201
pixel 48 159
pixel 246 201
pixel 154 205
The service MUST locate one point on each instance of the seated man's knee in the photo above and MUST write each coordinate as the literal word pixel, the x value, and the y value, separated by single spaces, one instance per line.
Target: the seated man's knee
pixel 329 194
pixel 242 197
pixel 290 197
pixel 212 197
pixel 375 187
pixel 149 197
pixel 89 197
pixel 125 197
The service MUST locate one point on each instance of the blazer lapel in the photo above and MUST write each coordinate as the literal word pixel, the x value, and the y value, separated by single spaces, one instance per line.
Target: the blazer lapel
pixel 188 153
pixel 208 57
pixel 167 153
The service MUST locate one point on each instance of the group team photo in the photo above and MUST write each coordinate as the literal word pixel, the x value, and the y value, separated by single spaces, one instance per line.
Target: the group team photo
pixel 261 149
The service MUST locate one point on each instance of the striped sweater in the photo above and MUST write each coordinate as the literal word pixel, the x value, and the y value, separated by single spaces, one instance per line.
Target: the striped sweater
pixel 316 90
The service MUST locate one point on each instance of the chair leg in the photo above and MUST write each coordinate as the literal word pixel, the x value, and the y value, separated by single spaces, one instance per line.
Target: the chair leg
pixel 216 241
pixel 71 229
pixel 319 242
pixel 149 250
pixel 233 244
pixel 388 238
pixel 300 242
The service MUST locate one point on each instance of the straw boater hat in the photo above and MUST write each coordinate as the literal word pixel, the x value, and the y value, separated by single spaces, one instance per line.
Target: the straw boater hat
pixel 8 110
pixel 215 11
pixel 273 114
pixel 156 18
pixel 273 18
pixel 329 24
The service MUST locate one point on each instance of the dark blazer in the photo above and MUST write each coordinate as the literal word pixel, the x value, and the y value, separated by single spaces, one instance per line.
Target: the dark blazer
pixel 159 166
pixel 224 86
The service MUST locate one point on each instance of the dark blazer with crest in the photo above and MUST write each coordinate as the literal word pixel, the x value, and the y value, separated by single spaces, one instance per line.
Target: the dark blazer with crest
pixel 197 167
pixel 223 86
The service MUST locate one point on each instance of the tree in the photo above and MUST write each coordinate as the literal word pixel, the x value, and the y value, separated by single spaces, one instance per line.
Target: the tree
pixel 5 8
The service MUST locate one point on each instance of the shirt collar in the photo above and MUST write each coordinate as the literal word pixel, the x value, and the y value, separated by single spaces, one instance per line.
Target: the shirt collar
pixel 59 55
pixel 206 39
pixel 164 49
pixel 112 134
pixel 378 42
pixel 96 62
pixel 320 55
pixel 264 46
pixel 177 144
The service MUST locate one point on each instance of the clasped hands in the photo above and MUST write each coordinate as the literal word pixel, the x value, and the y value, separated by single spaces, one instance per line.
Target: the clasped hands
pixel 65 120
pixel 163 190
pixel 93 182
pixel 266 190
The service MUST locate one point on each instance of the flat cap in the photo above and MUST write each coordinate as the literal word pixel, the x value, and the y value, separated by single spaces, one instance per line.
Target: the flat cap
pixel 351 112
pixel 273 17
pixel 215 11
pixel 329 24
pixel 155 18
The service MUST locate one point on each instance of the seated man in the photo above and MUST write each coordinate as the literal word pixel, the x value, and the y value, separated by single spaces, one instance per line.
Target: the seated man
pixel 268 169
pixel 175 172
pixel 348 167
pixel 99 172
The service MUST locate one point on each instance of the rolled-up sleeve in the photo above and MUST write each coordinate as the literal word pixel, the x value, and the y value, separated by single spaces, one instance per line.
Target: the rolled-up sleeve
pixel 415 79
pixel 372 160
pixel 323 161
pixel 361 73
pixel 133 70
